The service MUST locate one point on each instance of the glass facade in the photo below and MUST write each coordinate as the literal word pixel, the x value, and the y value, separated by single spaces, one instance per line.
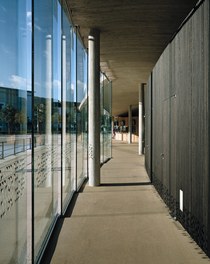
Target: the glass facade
pixel 43 123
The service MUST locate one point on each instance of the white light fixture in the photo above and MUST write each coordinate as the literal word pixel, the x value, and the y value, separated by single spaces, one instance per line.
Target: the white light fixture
pixel 181 200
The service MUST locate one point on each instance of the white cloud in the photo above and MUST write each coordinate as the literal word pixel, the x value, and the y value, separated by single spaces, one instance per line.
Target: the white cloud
pixel 57 83
pixel 19 82
pixel 29 23
pixel 29 26
pixel 29 14
pixel 82 85
pixel 72 86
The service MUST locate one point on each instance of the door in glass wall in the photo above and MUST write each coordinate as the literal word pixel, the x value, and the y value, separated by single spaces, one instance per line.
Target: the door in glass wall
pixel 15 131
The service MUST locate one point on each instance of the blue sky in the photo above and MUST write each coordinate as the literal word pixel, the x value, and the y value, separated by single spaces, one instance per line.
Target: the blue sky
pixel 15 50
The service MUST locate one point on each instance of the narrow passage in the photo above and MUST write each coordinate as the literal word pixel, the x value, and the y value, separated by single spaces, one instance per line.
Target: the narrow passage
pixel 124 221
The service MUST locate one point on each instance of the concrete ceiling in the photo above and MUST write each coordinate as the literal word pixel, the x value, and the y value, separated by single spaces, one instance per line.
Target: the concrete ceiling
pixel 134 33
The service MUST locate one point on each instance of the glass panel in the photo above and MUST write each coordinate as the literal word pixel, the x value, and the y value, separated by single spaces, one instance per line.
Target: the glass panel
pixel 46 108
pixel 81 114
pixel 73 111
pixel 102 119
pixel 56 108
pixel 15 143
pixel 68 109
pixel 106 118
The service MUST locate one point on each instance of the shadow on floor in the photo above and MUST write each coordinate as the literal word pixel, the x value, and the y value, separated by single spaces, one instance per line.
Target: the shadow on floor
pixel 126 184
pixel 50 249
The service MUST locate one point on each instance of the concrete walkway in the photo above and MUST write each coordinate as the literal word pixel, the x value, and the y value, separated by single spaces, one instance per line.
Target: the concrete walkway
pixel 124 221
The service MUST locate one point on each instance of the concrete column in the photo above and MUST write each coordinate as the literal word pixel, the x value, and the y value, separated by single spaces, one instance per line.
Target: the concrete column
pixel 141 119
pixel 94 107
pixel 130 124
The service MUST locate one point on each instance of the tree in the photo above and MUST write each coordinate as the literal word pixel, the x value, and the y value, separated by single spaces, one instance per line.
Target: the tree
pixel 20 119
pixel 8 116
pixel 39 115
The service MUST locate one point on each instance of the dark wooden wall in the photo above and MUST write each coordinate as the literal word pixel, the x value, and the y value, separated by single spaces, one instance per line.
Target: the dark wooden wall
pixel 177 126
pixel 148 127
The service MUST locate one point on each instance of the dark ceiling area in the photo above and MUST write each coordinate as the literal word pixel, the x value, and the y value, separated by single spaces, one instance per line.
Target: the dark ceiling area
pixel 133 36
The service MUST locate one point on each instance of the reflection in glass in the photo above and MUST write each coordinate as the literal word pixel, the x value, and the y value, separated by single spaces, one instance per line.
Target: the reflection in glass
pixel 106 118
pixel 68 110
pixel 81 113
pixel 55 124
pixel 102 77
pixel 15 144
pixel 47 52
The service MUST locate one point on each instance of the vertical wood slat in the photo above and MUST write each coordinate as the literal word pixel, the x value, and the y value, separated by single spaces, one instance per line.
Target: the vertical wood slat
pixel 161 104
pixel 184 113
pixel 199 135
pixel 157 120
pixel 206 183
pixel 181 125
pixel 165 101
pixel 173 126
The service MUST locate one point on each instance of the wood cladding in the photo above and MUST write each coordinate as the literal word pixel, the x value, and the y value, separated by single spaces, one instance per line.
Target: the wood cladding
pixel 177 146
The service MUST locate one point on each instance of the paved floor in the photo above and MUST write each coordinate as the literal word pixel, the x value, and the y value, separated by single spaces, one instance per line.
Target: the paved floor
pixel 124 221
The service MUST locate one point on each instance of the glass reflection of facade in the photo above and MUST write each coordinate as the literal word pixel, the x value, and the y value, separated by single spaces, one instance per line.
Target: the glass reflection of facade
pixel 43 123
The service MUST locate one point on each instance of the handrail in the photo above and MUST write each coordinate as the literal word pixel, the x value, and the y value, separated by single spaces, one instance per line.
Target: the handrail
pixel 13 146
